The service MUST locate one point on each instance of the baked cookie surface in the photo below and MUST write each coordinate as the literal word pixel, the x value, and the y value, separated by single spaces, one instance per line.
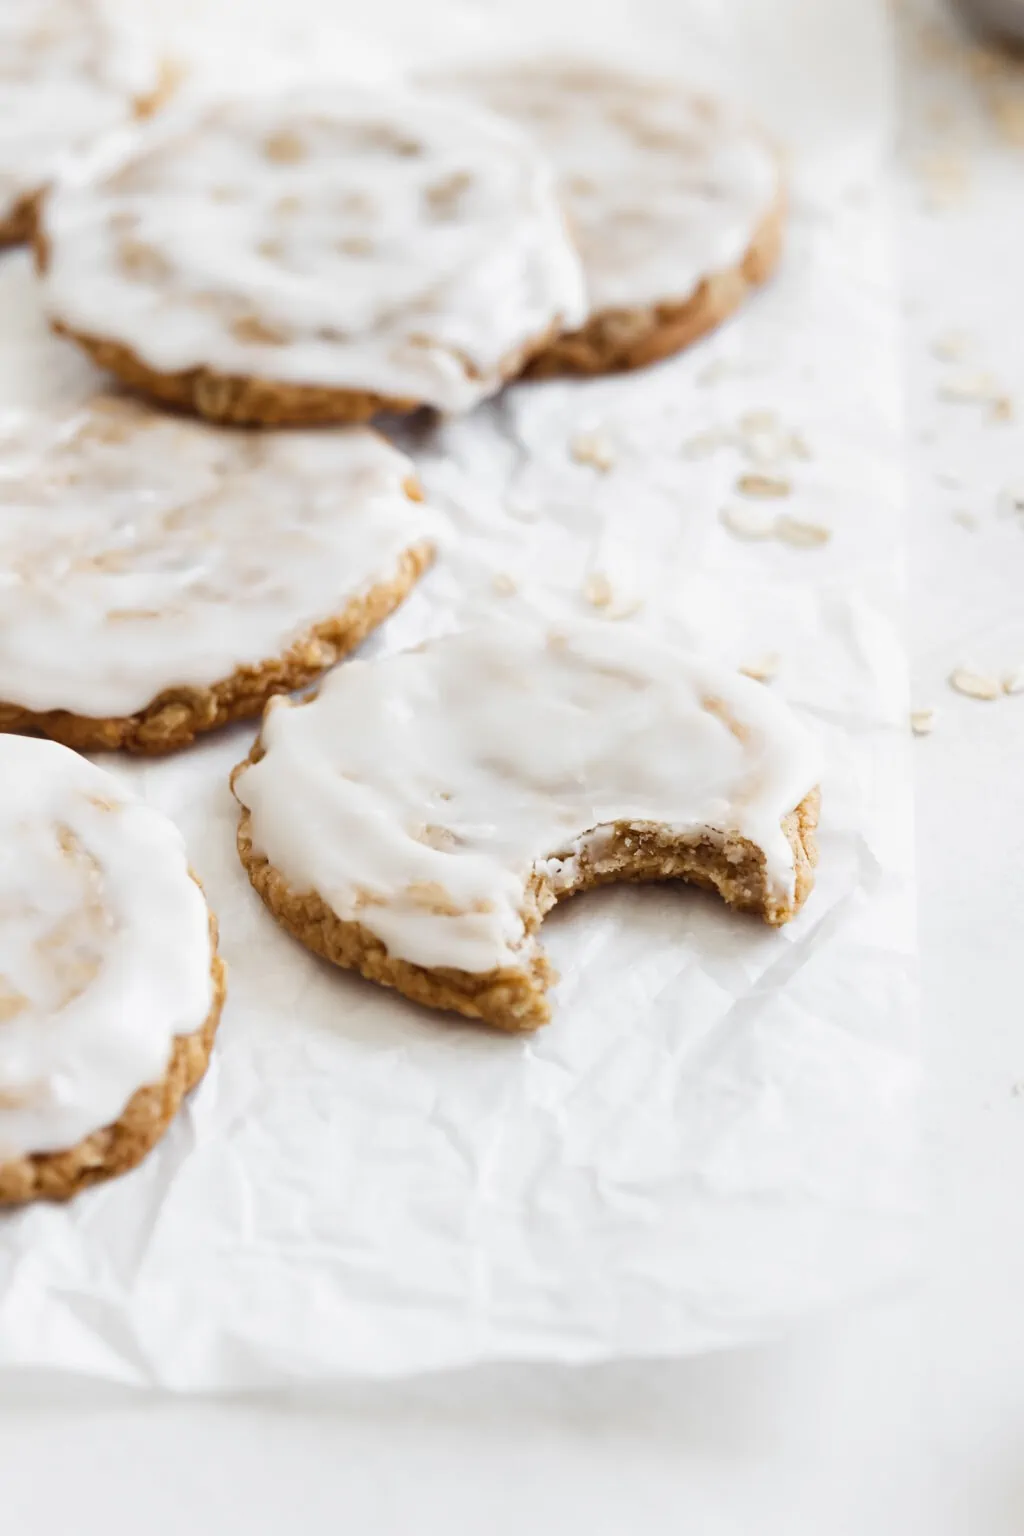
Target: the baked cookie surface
pixel 65 76
pixel 675 204
pixel 162 577
pixel 110 983
pixel 417 819
pixel 312 255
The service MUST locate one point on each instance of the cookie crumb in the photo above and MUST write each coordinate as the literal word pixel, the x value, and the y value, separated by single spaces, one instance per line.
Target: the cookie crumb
pixel 763 485
pixel 1002 408
pixel 975 685
pixel 593 448
pixel 801 535
pixel 922 721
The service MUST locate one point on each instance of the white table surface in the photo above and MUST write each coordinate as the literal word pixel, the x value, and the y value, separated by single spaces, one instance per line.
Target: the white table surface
pixel 907 1417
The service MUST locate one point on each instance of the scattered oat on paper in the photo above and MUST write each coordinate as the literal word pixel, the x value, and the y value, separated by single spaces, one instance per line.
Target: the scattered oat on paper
pixel 748 522
pixel 770 486
pixel 975 685
pixel 952 346
pixel 791 530
pixel 597 590
pixel 703 444
pixel 1010 501
pixel 764 669
pixel 946 179
pixel 922 721
pixel 595 449
pixel 1013 682
pixel 971 388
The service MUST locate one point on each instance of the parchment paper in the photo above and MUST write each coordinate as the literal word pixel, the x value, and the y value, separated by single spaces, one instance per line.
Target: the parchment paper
pixel 716 1134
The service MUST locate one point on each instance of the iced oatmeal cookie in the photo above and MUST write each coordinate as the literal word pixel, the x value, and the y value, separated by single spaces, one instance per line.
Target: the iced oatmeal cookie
pixel 418 818
pixel 312 255
pixel 110 982
pixel 161 577
pixel 676 204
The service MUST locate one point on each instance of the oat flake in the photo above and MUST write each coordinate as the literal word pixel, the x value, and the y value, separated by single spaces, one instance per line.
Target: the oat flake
pixel 801 535
pixel 763 485
pixel 594 449
pixel 976 685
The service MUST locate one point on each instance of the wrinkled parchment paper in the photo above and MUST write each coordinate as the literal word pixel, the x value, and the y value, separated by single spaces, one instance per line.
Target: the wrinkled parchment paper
pixel 715 1135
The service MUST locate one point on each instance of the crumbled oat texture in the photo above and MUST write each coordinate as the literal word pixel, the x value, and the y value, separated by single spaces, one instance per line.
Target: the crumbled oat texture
pixel 516 1000
pixel 179 715
pixel 119 1147
pixel 922 721
pixel 614 340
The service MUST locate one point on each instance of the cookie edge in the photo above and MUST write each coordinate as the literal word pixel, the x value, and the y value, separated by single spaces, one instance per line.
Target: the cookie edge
pixel 252 401
pixel 178 715
pixel 622 339
pixel 122 1145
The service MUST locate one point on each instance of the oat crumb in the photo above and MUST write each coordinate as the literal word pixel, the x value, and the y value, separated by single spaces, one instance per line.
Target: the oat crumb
pixel 975 685
pixel 763 485
pixel 952 346
pixel 970 388
pixel 801 535
pixel 594 449
pixel 764 669
pixel 1013 682
pixel 922 721
pixel 597 590
pixel 503 584
pixel 748 522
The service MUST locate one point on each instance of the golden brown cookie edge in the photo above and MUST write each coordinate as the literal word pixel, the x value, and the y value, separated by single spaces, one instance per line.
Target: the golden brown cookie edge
pixel 243 400
pixel 121 1146
pixel 618 340
pixel 178 715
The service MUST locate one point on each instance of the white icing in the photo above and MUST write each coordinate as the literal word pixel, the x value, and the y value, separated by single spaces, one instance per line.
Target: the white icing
pixel 331 235
pixel 417 793
pixel 104 947
pixel 662 185
pixel 140 552
pixel 65 76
